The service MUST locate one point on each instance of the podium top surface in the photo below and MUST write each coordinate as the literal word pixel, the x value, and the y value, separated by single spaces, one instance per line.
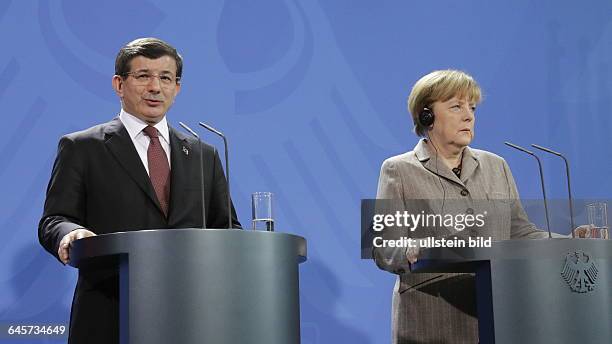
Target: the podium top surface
pixel 183 239
pixel 516 249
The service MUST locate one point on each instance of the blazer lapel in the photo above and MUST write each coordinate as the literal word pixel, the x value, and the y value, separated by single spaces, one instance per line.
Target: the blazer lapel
pixel 121 146
pixel 181 153
pixel 432 164
pixel 468 164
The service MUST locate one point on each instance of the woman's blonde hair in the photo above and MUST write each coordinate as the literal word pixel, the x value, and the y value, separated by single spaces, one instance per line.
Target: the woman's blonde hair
pixel 440 85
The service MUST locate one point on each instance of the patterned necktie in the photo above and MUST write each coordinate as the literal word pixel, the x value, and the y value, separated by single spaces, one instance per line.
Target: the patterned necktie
pixel 159 169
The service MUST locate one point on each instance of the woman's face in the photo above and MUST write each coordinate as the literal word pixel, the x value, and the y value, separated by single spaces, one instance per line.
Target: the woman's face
pixel 454 122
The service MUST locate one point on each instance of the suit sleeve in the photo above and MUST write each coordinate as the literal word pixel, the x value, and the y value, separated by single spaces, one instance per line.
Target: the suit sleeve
pixel 65 199
pixel 389 197
pixel 217 214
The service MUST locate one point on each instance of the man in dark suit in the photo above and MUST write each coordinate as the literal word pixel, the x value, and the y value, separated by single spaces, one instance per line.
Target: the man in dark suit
pixel 134 172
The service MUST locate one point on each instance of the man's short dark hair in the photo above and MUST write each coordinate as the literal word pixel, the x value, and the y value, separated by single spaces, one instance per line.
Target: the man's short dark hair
pixel 152 48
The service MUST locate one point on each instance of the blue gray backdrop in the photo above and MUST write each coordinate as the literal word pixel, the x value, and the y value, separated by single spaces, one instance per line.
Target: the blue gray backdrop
pixel 312 96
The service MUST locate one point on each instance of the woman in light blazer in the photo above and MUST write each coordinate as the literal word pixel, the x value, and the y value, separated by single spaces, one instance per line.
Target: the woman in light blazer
pixel 434 307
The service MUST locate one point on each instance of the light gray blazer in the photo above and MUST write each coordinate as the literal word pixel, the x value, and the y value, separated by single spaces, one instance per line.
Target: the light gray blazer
pixel 433 307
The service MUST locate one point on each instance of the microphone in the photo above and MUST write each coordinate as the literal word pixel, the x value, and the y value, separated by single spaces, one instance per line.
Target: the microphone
pixel 569 188
pixel 229 200
pixel 201 172
pixel 541 180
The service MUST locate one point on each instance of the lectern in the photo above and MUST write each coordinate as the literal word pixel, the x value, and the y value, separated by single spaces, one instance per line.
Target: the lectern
pixel 536 291
pixel 202 286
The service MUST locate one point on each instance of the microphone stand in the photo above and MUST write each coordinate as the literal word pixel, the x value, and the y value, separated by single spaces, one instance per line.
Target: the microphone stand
pixel 569 188
pixel 201 172
pixel 229 201
pixel 541 180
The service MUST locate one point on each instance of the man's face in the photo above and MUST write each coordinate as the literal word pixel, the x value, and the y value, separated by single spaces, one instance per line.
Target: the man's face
pixel 149 90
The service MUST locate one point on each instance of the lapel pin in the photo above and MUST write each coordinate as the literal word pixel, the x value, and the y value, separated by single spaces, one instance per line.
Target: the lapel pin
pixel 185 150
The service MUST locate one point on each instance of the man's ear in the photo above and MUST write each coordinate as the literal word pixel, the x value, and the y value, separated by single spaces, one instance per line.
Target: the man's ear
pixel 118 85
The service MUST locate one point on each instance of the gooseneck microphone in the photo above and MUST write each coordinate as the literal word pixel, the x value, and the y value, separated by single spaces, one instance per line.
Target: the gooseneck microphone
pixel 201 172
pixel 569 188
pixel 227 176
pixel 541 180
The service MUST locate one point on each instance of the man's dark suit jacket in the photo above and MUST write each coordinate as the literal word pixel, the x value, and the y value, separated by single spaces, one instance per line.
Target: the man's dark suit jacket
pixel 99 183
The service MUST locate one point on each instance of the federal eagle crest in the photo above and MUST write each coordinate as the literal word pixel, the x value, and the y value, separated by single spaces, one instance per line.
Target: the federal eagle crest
pixel 579 272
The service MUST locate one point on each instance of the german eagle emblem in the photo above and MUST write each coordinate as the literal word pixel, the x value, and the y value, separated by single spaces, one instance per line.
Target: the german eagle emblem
pixel 579 272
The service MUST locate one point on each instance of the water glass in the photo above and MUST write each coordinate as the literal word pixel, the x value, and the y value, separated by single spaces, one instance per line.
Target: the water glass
pixel 261 205
pixel 597 214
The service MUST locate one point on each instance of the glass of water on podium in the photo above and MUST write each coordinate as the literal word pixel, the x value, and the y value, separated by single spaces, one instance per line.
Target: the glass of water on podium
pixel 598 220
pixel 261 205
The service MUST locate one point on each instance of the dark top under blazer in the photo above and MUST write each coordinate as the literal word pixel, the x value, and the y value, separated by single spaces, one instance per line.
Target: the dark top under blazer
pixel 100 183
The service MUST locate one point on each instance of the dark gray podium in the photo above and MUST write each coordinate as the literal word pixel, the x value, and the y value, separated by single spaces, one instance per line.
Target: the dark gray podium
pixel 536 291
pixel 202 286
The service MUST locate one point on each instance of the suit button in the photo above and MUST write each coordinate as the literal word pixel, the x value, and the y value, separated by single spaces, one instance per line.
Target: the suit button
pixel 464 192
pixel 469 211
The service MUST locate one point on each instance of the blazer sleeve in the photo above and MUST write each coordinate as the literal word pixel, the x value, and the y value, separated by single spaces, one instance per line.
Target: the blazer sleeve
pixel 64 209
pixel 520 226
pixel 390 187
pixel 216 217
